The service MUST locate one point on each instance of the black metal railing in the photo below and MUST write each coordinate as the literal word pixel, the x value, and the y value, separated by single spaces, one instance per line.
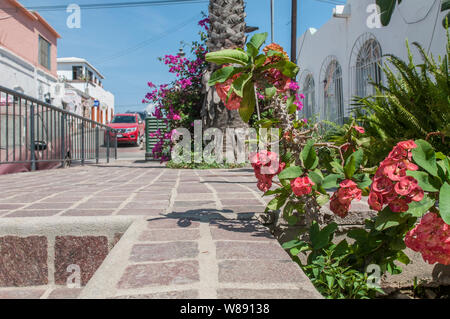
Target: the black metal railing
pixel 36 135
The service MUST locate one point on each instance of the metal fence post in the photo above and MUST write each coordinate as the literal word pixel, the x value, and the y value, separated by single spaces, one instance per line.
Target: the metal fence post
pixel 32 145
pixel 115 145
pixel 82 144
pixel 108 133
pixel 63 139
pixel 97 145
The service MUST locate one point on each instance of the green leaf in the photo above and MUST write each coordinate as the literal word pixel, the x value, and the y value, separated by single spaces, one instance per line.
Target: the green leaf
pixel 340 249
pixel 360 235
pixel 425 157
pixel 309 156
pixel 445 5
pixel 387 219
pixel 321 238
pixel 402 257
pixel 316 178
pixel 350 168
pixel 274 192
pixel 291 172
pixel 239 84
pixel 293 243
pixel 276 203
pixel 288 210
pixel 424 180
pixel 256 42
pixel 292 108
pixel 228 56
pixel 290 69
pixel 444 203
pixel 358 156
pixel 338 167
pixel 386 9
pixel 322 199
pixel 330 281
pixel 446 20
pixel 259 60
pixel 292 220
pixel 221 75
pixel 363 180
pixel 248 102
pixel 331 181
pixel 418 209
pixel 270 92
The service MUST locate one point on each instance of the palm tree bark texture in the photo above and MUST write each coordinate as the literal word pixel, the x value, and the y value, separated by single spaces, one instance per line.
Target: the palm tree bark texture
pixel 227 31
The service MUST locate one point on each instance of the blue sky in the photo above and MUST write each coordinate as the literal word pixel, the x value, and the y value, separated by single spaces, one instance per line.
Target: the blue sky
pixel 106 36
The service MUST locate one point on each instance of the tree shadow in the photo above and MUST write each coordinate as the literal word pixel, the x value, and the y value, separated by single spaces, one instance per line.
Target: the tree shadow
pixel 244 224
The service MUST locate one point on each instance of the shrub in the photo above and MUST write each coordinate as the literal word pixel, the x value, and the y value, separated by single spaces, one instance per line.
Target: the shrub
pixel 414 104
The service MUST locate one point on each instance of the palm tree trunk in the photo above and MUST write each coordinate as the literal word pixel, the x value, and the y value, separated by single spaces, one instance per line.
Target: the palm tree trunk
pixel 227 30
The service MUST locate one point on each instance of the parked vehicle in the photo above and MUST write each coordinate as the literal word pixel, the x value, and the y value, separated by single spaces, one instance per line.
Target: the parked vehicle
pixel 130 128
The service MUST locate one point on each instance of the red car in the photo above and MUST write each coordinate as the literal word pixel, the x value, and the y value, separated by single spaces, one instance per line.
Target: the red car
pixel 130 128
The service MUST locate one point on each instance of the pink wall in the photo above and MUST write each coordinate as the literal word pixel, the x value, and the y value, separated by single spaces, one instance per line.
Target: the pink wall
pixel 20 32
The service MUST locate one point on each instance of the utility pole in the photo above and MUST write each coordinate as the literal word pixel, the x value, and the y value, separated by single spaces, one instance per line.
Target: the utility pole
pixel 294 32
pixel 272 19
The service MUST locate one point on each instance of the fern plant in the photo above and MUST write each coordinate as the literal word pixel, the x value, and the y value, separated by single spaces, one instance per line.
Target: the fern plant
pixel 414 103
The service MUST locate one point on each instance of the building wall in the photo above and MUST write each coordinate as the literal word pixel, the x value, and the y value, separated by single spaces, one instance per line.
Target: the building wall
pixel 94 90
pixel 19 51
pixel 415 20
pixel 20 31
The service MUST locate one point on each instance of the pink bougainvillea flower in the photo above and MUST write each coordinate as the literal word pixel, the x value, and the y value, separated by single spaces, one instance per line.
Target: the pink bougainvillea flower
pixel 294 86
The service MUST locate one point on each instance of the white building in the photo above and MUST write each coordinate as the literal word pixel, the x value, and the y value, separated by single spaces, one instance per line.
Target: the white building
pixel 81 75
pixel 338 60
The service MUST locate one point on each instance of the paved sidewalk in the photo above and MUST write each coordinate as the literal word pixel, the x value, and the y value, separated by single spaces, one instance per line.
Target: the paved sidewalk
pixel 194 234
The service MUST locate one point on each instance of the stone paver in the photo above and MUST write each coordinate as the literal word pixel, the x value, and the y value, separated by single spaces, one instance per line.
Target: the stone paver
pixel 194 236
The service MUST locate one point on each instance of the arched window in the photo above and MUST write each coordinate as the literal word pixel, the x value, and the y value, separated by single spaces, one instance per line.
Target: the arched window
pixel 309 91
pixel 366 65
pixel 332 108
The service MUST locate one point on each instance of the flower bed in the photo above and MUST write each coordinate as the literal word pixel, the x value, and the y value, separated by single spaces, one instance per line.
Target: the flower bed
pixel 411 185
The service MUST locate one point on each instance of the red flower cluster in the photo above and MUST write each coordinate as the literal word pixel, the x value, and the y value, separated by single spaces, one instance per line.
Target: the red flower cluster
pixel 234 101
pixel 390 184
pixel 342 199
pixel 274 76
pixel 431 238
pixel 266 165
pixel 302 186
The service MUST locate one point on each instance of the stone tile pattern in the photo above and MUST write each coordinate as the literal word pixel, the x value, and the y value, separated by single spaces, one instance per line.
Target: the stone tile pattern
pixel 23 261
pixel 248 262
pixel 88 252
pixel 188 250
pixel 128 188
